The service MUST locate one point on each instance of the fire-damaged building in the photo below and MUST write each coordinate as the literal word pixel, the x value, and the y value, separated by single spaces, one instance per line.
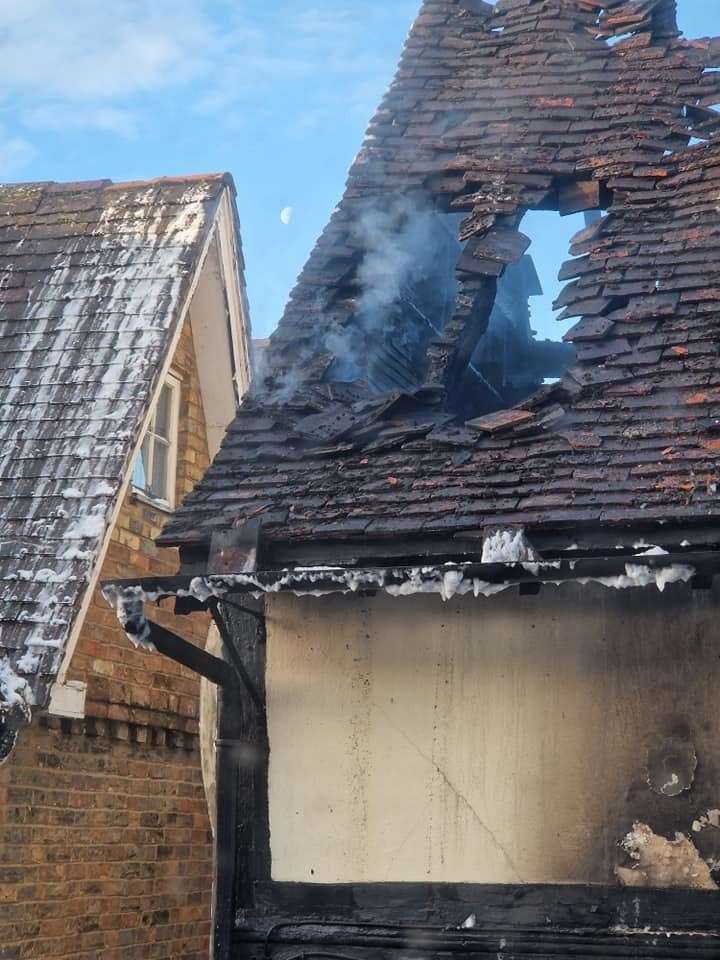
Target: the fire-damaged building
pixel 463 577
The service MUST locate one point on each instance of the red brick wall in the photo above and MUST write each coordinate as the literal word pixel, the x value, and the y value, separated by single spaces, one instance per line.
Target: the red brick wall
pixel 105 846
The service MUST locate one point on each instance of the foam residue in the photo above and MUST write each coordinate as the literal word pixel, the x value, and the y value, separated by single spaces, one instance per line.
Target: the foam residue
pixel 641 575
pixel 89 527
pixel 28 663
pixel 129 609
pixel 447 581
pixel 104 306
pixel 507 546
pixel 15 692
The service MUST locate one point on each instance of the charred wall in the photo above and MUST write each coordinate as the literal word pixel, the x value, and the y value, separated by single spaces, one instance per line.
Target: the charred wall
pixel 502 740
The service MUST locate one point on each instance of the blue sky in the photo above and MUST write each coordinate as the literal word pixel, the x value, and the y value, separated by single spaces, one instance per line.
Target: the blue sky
pixel 278 92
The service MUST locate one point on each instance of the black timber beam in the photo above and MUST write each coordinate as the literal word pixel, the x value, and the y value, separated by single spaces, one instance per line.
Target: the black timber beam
pixel 520 922
pixel 236 755
pixel 204 664
pixel 705 563
pixel 243 832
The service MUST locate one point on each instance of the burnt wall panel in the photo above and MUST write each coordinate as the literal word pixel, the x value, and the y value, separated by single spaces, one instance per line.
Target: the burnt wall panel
pixel 498 739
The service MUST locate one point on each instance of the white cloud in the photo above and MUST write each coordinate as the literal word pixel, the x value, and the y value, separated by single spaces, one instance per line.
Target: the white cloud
pixel 70 65
pixel 290 42
pixel 286 215
pixel 60 117
pixel 85 50
pixel 84 64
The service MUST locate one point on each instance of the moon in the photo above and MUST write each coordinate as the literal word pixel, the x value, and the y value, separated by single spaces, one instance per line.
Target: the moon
pixel 286 215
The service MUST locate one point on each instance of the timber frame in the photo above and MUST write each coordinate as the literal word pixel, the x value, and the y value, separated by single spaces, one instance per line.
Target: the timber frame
pixel 261 919
pixel 242 835
pixel 352 922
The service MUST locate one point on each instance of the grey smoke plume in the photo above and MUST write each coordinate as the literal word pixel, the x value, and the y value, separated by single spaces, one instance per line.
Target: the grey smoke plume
pixel 407 268
pixel 402 242
pixel 401 246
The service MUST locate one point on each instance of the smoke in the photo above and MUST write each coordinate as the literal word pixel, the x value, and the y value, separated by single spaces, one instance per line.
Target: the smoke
pixel 379 319
pixel 407 288
pixel 401 245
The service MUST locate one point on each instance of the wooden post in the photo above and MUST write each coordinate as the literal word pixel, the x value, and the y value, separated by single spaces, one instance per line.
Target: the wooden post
pixel 242 854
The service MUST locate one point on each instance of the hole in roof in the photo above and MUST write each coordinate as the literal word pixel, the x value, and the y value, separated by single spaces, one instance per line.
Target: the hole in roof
pixel 522 348
pixel 550 237
pixel 401 295
pixel 404 291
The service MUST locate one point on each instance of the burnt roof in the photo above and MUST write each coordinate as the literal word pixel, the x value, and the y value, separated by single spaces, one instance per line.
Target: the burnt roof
pixel 494 111
pixel 92 280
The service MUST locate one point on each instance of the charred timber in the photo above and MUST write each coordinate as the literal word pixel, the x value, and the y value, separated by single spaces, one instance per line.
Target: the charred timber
pixel 372 920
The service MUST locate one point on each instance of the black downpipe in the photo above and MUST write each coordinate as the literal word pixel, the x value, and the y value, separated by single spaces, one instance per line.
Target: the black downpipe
pixel 242 842
pixel 229 751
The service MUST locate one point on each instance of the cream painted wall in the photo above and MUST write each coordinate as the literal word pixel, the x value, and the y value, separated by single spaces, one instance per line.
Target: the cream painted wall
pixel 209 318
pixel 483 740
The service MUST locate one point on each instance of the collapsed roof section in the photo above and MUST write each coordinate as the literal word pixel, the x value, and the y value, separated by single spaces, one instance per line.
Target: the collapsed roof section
pixel 93 280
pixel 494 111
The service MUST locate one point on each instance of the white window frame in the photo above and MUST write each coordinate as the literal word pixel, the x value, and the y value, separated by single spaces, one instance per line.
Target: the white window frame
pixel 169 501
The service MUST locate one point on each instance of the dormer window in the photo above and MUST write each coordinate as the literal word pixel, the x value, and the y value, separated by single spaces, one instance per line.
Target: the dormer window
pixel 155 469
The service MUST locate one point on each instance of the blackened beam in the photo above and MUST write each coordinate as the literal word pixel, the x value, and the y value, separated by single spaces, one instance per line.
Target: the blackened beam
pixel 235 658
pixel 199 661
pixel 555 922
pixel 241 609
pixel 333 579
pixel 530 906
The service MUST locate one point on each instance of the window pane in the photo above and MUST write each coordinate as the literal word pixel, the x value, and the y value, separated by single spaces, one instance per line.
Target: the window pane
pixel 140 472
pixel 162 417
pixel 159 486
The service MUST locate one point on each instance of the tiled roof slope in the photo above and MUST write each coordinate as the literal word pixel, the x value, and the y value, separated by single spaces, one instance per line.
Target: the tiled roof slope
pixel 489 116
pixel 92 278
pixel 494 111
pixel 631 435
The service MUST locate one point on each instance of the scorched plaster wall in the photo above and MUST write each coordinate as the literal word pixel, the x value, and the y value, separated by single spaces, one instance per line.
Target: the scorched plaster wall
pixel 486 740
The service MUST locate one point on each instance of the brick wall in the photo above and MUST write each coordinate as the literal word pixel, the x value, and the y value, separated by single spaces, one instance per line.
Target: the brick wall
pixel 105 846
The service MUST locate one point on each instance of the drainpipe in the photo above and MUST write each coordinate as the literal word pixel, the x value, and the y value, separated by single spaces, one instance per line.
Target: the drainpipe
pixel 230 750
